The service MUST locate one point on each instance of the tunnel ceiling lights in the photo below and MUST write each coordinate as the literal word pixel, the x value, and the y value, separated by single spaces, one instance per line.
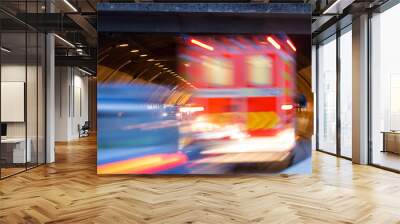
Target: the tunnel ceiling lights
pixel 123 45
pixel 143 55
pixel 151 59
pixel 201 44
pixel 134 50
pixel 273 42
pixel 291 45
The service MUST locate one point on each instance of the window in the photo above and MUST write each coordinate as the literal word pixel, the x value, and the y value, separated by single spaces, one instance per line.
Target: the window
pixel 326 107
pixel 260 68
pixel 385 89
pixel 346 93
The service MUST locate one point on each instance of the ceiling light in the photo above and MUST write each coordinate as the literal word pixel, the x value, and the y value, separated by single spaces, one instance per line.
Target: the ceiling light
pixel 123 45
pixel 151 59
pixel 134 50
pixel 161 66
pixel 165 68
pixel 70 5
pixel 86 72
pixel 5 50
pixel 143 55
pixel 64 40
pixel 79 50
pixel 335 6
pixel 157 63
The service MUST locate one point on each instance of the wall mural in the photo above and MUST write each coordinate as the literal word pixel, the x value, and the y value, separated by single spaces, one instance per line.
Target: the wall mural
pixel 201 103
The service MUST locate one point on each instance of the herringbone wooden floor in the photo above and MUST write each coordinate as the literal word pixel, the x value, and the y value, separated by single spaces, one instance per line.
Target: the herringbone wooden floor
pixel 69 191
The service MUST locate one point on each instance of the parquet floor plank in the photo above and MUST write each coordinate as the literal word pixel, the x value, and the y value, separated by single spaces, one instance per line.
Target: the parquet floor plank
pixel 70 191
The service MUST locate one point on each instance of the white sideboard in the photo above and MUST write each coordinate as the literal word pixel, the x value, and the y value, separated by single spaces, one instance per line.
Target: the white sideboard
pixel 19 154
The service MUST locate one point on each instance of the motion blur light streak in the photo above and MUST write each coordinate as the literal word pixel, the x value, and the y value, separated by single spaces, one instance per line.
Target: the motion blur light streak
pixel 282 142
pixel 217 104
pixel 245 157
pixel 123 45
pixel 291 45
pixel 201 44
pixel 273 42
pixel 287 107
pixel 191 109
pixel 143 165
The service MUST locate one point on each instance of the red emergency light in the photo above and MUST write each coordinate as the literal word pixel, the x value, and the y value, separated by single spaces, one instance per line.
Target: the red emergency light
pixel 291 45
pixel 273 42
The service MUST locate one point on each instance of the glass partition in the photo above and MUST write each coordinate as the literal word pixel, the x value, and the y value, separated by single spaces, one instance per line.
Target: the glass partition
pixel 22 78
pixel 13 108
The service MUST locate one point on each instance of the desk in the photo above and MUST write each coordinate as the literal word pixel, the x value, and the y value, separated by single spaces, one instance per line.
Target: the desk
pixel 18 150
pixel 391 141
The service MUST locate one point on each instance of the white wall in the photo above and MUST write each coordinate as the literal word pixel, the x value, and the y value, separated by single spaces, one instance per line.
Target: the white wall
pixel 16 72
pixel 9 73
pixel 62 82
pixel 33 127
pixel 71 102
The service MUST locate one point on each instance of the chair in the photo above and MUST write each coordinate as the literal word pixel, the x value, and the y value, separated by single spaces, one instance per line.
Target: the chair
pixel 84 130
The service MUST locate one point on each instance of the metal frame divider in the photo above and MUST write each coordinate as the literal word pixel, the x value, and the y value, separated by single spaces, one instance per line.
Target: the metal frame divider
pixel 317 97
pixel 369 78
pixel 338 98
pixel 0 92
